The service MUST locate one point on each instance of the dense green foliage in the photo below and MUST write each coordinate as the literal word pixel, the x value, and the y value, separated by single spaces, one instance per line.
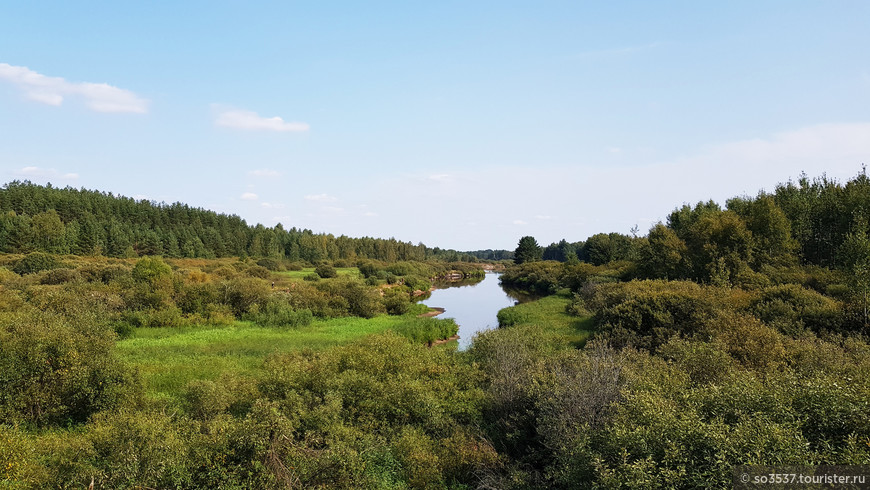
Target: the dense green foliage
pixel 724 337
pixel 527 250
pixel 84 222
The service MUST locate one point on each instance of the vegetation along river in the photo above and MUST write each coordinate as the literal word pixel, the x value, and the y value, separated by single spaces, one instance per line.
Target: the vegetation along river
pixel 474 305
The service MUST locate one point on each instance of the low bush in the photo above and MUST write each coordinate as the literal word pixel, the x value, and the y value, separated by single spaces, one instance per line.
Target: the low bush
pixel 257 271
pixel 325 271
pixel 276 311
pixel 59 276
pixel 270 264
pixel 35 262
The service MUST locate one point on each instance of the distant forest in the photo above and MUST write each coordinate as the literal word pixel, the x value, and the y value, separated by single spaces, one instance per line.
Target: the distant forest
pixel 86 222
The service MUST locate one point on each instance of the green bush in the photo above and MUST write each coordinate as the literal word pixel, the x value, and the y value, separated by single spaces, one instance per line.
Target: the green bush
pixel 155 318
pixel 244 292
pixel 325 271
pixel 257 271
pixel 352 297
pixel 539 277
pixel 276 311
pixel 295 266
pixel 204 399
pixel 151 270
pixel 56 369
pixel 58 276
pixel 35 262
pixel 269 263
pixel 397 301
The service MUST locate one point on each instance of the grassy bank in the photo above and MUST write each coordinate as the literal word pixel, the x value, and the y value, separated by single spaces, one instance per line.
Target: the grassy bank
pixel 169 358
pixel 550 313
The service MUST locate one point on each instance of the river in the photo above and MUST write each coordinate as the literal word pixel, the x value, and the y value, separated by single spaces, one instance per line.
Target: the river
pixel 473 306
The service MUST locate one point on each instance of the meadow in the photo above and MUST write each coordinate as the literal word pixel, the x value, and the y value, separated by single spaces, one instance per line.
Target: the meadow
pixel 169 358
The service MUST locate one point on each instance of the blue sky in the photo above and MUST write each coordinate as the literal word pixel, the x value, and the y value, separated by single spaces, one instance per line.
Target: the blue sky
pixel 462 125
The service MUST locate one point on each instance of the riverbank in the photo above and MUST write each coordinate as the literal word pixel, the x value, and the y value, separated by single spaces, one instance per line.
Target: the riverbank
pixel 436 310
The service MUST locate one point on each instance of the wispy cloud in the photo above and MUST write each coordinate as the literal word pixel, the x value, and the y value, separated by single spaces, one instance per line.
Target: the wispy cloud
pixel 249 196
pixel 272 205
pixel 44 173
pixel 520 222
pixel 251 121
pixel 440 177
pixel 100 97
pixel 264 172
pixel 321 198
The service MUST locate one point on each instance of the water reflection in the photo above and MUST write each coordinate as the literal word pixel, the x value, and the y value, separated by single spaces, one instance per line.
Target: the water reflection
pixel 474 304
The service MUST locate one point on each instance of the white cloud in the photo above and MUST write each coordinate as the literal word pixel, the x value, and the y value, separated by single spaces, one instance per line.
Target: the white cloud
pixel 250 120
pixel 321 198
pixel 544 217
pixel 100 97
pixel 44 173
pixel 520 222
pixel 370 214
pixel 249 196
pixel 270 205
pixel 264 172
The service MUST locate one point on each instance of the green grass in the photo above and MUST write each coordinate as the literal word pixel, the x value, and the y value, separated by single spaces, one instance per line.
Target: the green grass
pixel 169 358
pixel 298 275
pixel 549 312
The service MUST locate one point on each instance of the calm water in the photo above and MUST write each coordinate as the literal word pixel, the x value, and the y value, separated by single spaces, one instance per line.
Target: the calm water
pixel 473 306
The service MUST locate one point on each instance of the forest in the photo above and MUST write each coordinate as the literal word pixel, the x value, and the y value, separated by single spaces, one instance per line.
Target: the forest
pixel 84 222
pixel 145 345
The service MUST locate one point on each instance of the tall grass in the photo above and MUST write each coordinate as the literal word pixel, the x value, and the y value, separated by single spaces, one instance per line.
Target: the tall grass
pixel 168 358
pixel 550 313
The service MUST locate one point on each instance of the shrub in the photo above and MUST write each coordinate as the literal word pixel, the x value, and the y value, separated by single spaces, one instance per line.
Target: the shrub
pixel 151 270
pixel 59 276
pixel 105 273
pixel 155 318
pixel 244 292
pixel 397 301
pixel 790 307
pixel 313 277
pixel 196 298
pixel 35 262
pixel 56 369
pixel 276 311
pixel 203 399
pixel 367 268
pixel 539 277
pixel 647 314
pixel 325 270
pixel 295 266
pixel 269 263
pixel 257 271
pixel 225 272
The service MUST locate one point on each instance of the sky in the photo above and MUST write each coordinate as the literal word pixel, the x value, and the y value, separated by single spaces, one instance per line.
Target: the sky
pixel 462 125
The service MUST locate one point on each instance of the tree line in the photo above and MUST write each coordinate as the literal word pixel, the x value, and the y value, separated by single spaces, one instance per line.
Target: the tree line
pixel 818 222
pixel 85 222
